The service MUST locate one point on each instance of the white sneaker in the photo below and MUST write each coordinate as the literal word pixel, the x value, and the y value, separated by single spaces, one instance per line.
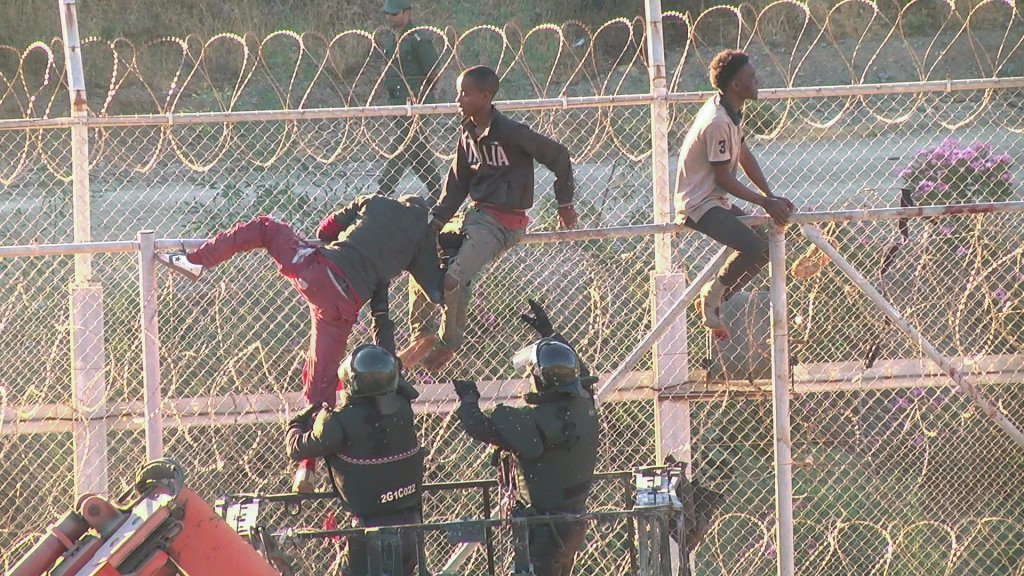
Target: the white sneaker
pixel 177 262
pixel 710 304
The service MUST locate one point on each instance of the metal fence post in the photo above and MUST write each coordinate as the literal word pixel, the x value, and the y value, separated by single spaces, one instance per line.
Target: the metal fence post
pixel 88 356
pixel 150 345
pixel 670 353
pixel 89 389
pixel 659 134
pixel 671 368
pixel 780 389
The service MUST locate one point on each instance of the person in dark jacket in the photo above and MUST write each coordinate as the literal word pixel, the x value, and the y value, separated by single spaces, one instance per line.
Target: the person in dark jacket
pixel 412 69
pixel 366 244
pixel 493 168
pixel 373 452
pixel 552 442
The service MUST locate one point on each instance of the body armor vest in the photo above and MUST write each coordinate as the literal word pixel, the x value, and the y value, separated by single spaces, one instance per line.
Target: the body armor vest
pixel 379 466
pixel 556 444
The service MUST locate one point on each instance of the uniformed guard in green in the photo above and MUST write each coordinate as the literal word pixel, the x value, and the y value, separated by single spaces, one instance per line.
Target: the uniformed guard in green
pixel 408 78
pixel 371 446
pixel 552 444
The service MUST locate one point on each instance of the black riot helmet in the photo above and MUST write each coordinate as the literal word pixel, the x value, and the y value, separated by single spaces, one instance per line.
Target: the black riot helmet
pixel 551 363
pixel 369 371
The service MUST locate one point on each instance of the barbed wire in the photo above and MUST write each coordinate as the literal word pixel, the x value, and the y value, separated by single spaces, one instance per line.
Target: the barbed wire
pixel 297 71
pixel 882 454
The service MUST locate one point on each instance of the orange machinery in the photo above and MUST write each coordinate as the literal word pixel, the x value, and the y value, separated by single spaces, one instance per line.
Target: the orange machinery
pixel 161 528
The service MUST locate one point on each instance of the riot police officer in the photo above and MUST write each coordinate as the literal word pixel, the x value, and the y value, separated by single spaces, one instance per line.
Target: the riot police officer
pixel 371 447
pixel 552 442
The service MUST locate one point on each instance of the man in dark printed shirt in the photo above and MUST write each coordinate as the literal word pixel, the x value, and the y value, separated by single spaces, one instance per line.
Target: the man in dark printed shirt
pixel 493 168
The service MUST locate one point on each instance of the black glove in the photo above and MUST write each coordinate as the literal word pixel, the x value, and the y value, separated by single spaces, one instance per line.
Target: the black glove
pixel 466 390
pixel 448 242
pixel 539 321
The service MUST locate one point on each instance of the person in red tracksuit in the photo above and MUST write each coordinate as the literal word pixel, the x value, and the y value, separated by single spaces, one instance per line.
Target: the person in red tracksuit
pixel 366 244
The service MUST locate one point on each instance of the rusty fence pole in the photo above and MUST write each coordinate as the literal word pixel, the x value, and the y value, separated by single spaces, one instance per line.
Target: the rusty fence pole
pixel 149 327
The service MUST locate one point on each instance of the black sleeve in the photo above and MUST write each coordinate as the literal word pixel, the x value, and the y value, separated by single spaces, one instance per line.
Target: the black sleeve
pixel 304 442
pixel 478 426
pixel 425 267
pixel 553 155
pixel 456 187
pixel 381 325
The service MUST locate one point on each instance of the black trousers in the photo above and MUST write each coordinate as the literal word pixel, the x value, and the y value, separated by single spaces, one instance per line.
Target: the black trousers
pixel 553 546
pixel 751 246
pixel 358 557
pixel 412 152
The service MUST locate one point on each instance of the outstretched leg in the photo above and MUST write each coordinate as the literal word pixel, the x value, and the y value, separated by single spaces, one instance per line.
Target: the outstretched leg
pixel 278 238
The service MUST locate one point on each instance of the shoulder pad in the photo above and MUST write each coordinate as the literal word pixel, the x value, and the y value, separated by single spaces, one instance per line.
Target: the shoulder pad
pixel 327 428
pixel 518 429
pixel 406 389
pixel 580 387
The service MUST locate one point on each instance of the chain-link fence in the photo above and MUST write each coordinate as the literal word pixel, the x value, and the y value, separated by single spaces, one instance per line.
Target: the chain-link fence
pixel 894 469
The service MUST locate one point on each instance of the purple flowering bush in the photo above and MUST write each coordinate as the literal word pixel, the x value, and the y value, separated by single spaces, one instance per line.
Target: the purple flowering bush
pixel 951 173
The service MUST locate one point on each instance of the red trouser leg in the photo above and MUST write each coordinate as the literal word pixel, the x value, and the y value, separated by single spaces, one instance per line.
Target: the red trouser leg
pixel 328 342
pixel 278 238
pixel 332 314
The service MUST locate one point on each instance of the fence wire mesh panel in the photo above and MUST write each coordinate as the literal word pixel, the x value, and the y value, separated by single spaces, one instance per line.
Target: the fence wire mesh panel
pixel 35 381
pixel 896 471
pixel 893 441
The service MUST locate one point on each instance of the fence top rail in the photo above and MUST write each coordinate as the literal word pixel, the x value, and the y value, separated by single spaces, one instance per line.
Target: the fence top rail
pixel 862 214
pixel 804 92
